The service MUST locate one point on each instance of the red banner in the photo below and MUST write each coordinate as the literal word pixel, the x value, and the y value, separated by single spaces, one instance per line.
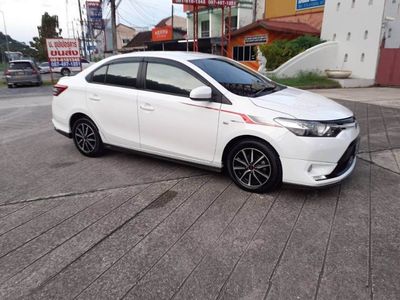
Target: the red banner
pixel 164 33
pixel 206 2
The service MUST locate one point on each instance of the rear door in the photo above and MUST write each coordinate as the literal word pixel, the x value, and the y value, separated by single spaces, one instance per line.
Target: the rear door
pixel 171 124
pixel 112 101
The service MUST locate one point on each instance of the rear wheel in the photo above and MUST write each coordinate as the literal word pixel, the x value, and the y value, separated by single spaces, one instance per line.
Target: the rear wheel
pixel 10 86
pixel 254 166
pixel 65 72
pixel 87 138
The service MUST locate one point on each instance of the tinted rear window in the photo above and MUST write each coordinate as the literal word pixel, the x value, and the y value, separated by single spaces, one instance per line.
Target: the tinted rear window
pixel 20 66
pixel 123 74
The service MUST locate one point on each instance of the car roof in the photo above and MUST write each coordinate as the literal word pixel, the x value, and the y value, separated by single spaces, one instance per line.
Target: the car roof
pixel 175 55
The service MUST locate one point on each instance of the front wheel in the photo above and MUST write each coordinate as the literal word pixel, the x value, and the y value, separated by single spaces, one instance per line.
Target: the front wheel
pixel 254 166
pixel 87 138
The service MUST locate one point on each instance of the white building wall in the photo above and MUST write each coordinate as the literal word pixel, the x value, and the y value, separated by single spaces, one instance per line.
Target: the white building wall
pixel 392 27
pixel 357 26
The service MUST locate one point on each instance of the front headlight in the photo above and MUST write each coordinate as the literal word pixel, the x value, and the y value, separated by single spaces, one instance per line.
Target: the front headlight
pixel 309 128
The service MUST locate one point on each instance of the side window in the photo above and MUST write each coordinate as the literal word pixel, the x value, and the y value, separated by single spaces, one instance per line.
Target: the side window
pixel 99 75
pixel 169 79
pixel 123 74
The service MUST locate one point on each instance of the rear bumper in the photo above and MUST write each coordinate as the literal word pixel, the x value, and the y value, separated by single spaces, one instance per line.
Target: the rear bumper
pixel 22 80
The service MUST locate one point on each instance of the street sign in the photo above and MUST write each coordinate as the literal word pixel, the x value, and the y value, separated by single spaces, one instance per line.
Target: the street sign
pixel 95 14
pixel 307 4
pixel 63 53
pixel 207 2
pixel 256 39
pixel 164 33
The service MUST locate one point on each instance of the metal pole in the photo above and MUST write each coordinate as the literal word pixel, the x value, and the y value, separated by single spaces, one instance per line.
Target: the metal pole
pixel 5 30
pixel 113 27
pixel 83 34
pixel 222 29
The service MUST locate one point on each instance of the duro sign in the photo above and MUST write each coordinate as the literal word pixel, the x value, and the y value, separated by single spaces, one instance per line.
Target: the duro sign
pixel 63 53
pixel 307 4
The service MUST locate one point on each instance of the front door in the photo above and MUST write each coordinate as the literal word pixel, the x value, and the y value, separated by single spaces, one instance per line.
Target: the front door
pixel 172 124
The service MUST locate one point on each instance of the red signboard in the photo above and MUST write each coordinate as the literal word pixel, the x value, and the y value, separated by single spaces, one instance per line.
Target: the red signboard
pixel 164 33
pixel 206 2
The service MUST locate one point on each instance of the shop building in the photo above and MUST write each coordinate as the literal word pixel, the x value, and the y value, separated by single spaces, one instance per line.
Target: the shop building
pixel 246 40
pixel 310 12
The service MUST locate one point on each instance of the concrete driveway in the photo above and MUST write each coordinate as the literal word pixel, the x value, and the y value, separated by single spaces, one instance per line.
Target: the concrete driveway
pixel 126 226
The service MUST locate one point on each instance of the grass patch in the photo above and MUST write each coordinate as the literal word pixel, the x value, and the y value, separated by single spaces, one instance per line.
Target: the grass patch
pixel 308 80
pixel 2 67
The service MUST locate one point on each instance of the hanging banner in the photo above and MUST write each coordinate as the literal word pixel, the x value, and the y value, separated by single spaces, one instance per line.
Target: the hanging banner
pixel 207 2
pixel 95 14
pixel 63 53
pixel 307 4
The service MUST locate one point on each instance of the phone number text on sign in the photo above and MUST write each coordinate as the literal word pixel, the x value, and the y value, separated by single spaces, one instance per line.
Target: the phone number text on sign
pixel 63 52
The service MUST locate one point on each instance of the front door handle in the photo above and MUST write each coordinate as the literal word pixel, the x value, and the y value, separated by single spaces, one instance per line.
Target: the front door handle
pixel 94 97
pixel 146 107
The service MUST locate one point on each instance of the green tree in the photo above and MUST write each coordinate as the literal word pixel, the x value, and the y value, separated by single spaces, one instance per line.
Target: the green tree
pixel 49 28
pixel 280 51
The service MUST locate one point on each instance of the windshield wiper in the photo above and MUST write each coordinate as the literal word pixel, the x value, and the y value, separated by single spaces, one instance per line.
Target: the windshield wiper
pixel 264 89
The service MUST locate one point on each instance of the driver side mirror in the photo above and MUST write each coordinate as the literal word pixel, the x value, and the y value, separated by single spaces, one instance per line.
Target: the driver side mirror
pixel 202 93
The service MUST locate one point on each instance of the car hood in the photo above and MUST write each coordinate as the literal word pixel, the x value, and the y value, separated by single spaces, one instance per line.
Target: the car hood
pixel 303 105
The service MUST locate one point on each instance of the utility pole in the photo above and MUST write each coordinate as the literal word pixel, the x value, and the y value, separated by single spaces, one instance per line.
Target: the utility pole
pixel 83 34
pixel 113 27
pixel 5 30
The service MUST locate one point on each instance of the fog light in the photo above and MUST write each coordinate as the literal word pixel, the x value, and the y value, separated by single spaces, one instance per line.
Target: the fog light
pixel 319 178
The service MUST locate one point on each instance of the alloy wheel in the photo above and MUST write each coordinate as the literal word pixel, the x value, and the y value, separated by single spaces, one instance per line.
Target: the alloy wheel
pixel 85 138
pixel 251 167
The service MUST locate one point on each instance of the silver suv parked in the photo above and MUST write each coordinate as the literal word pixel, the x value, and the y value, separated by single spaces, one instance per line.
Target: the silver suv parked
pixel 22 72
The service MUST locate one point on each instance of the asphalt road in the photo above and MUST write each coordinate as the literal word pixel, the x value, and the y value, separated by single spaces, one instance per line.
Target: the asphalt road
pixel 127 226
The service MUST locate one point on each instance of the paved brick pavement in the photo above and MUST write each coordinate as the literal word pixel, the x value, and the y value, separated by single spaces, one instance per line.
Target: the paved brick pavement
pixel 126 226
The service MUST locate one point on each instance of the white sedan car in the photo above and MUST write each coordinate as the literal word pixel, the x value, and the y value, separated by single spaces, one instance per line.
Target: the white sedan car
pixel 210 111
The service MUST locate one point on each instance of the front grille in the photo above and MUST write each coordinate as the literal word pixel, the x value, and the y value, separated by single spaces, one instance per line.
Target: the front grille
pixel 346 160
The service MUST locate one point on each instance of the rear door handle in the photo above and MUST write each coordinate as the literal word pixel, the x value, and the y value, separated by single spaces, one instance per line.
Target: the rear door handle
pixel 146 107
pixel 94 98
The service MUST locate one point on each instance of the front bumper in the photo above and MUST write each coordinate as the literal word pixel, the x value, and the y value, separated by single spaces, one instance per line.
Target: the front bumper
pixel 317 173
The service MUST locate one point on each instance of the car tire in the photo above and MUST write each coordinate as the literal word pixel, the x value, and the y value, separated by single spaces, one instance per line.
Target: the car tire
pixel 65 72
pixel 254 166
pixel 10 86
pixel 87 138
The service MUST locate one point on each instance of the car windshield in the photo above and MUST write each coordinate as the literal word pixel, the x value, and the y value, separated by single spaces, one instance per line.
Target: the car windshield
pixel 20 66
pixel 236 78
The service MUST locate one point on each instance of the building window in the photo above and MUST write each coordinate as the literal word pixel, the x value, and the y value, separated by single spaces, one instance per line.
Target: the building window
pixel 125 41
pixel 390 33
pixel 362 57
pixel 366 34
pixel 245 53
pixel 348 36
pixel 353 3
pixel 334 37
pixel 346 57
pixel 205 29
pixel 338 6
pixel 371 2
pixel 234 21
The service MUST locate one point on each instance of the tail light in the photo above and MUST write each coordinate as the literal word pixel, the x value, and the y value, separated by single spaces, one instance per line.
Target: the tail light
pixel 34 72
pixel 58 89
pixel 7 72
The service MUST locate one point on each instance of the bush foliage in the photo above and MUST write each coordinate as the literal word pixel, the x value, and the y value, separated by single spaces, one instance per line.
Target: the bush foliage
pixel 280 51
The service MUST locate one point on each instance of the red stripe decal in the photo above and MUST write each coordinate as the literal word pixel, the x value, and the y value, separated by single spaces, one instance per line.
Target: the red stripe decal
pixel 245 117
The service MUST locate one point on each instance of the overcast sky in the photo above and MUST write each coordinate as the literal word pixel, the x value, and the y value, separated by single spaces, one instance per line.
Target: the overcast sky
pixel 23 16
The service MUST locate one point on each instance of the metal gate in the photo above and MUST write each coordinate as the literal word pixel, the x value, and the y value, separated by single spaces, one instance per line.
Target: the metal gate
pixel 389 67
